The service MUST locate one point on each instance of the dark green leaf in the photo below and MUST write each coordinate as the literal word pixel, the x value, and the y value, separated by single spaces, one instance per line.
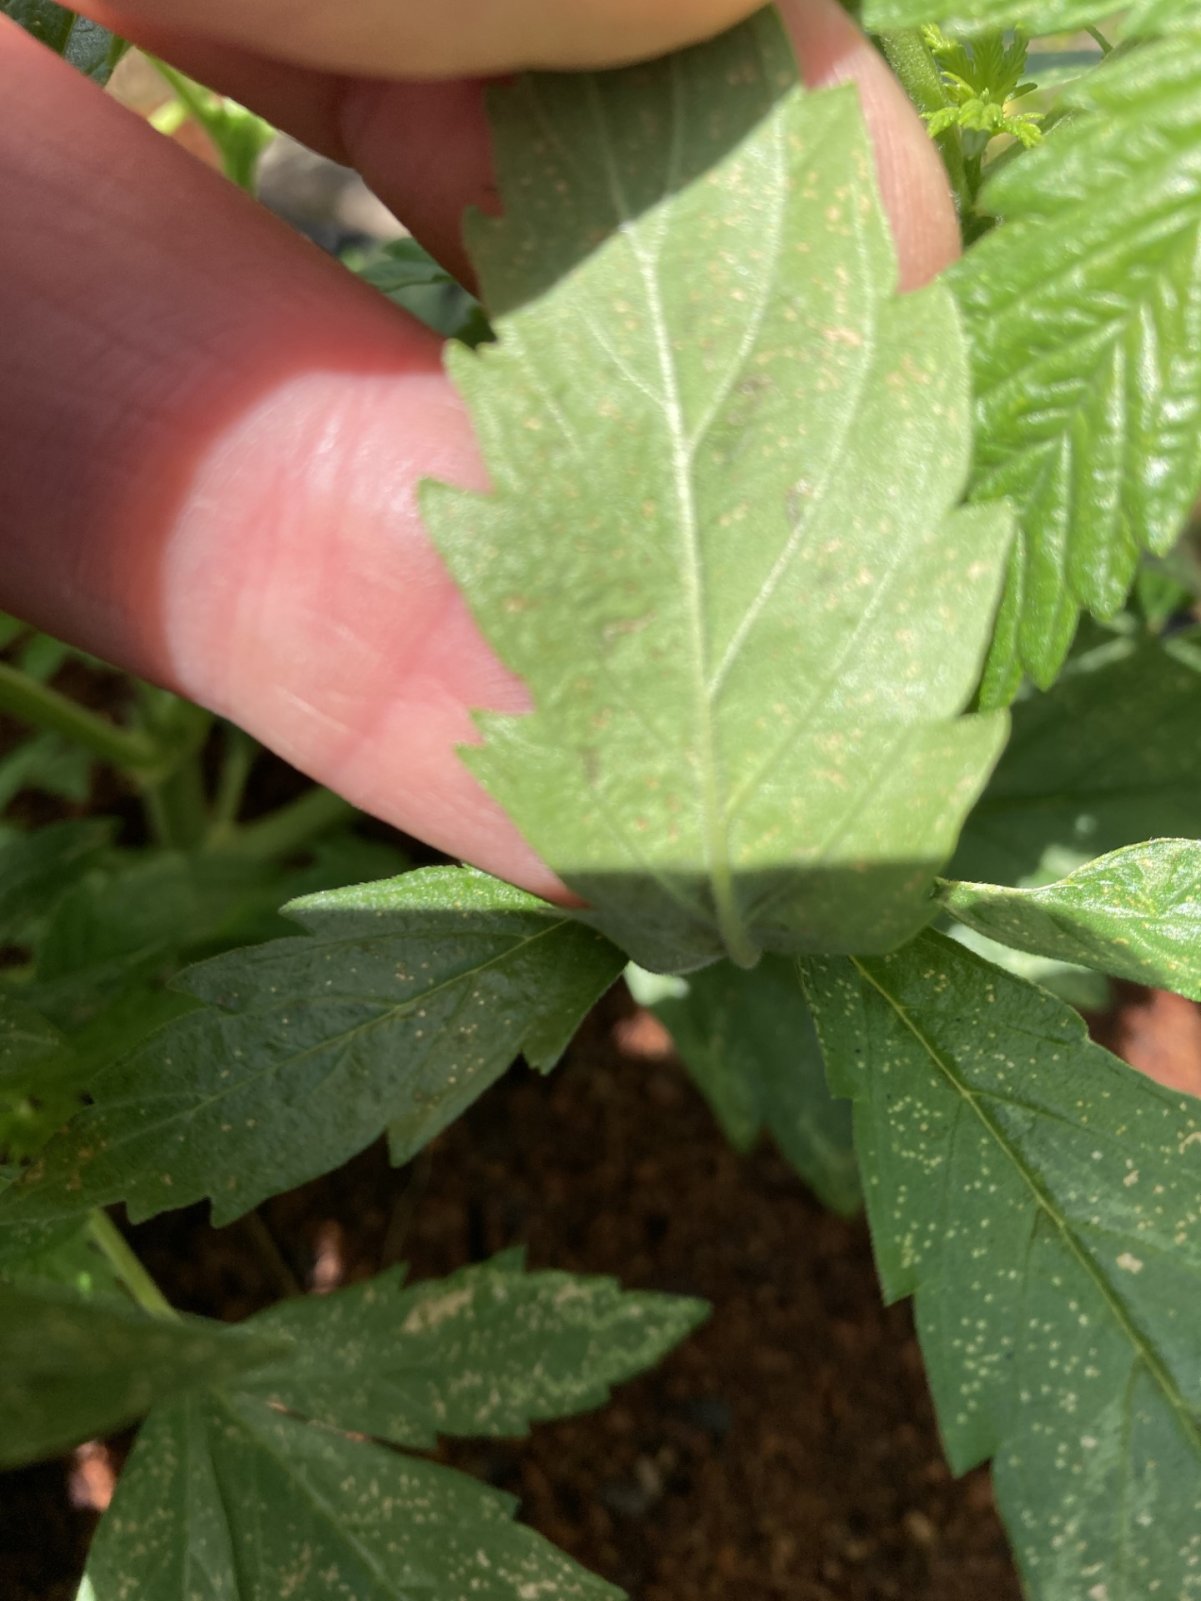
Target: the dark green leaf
pixel 232 1495
pixel 227 1500
pixel 47 763
pixel 721 549
pixel 27 1042
pixel 407 1001
pixel 1043 1203
pixel 412 280
pixel 40 1080
pixel 73 1261
pixel 71 1368
pixel 37 868
pixel 1135 913
pixel 1110 757
pixel 1084 316
pixel 85 44
pixel 748 1041
pixel 486 1352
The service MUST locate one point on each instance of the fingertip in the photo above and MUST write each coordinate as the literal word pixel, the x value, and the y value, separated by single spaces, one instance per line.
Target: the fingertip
pixel 913 182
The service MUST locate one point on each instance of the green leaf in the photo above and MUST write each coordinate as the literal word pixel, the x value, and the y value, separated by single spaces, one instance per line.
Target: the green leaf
pixel 225 1499
pixel 721 549
pixel 72 1368
pixel 487 1351
pixel 1135 913
pixel 84 44
pixel 412 280
pixel 1036 16
pixel 37 868
pixel 27 1042
pixel 71 1260
pixel 132 920
pixel 233 1495
pixel 47 763
pixel 748 1041
pixel 1109 758
pixel 408 1000
pixel 1040 1198
pixel 1083 311
pixel 40 1080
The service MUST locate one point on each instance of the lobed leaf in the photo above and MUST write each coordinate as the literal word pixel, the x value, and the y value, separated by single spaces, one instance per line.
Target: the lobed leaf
pixel 407 1000
pixel 748 1040
pixel 1108 758
pixel 72 1367
pixel 228 1494
pixel 488 1351
pixel 1041 1200
pixel 1135 913
pixel 224 1498
pixel 1083 311
pixel 747 644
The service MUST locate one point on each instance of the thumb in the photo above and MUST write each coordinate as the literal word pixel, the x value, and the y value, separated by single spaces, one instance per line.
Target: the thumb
pixel 410 38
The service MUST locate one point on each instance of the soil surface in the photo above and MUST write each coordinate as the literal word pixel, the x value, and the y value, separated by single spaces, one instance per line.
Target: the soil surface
pixel 786 1453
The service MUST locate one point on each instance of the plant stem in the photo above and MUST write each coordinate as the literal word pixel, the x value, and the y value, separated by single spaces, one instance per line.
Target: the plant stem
pixel 176 808
pixel 43 707
pixel 290 828
pixel 239 757
pixel 125 1262
pixel 175 801
pixel 283 1280
pixel 909 56
pixel 1099 37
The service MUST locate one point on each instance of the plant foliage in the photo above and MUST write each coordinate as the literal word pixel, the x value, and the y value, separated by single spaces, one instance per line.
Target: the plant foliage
pixel 1084 314
pixel 86 45
pixel 695 442
pixel 266 1486
pixel 1041 1201
pixel 725 548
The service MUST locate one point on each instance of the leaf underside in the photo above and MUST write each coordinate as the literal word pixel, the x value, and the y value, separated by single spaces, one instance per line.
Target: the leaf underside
pixel 747 646
pixel 1135 914
pixel 1040 1200
pixel 1083 312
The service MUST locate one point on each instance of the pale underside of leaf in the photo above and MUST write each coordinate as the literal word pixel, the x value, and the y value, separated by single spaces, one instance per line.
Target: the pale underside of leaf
pixel 1135 913
pixel 1041 1201
pixel 720 548
pixel 1084 316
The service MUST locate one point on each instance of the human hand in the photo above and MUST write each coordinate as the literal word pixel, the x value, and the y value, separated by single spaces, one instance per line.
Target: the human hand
pixel 212 436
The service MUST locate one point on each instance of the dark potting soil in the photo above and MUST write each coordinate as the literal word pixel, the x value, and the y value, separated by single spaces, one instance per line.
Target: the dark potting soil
pixel 787 1452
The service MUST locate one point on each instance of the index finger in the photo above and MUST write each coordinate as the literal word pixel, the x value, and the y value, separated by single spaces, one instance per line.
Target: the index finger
pixel 411 38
